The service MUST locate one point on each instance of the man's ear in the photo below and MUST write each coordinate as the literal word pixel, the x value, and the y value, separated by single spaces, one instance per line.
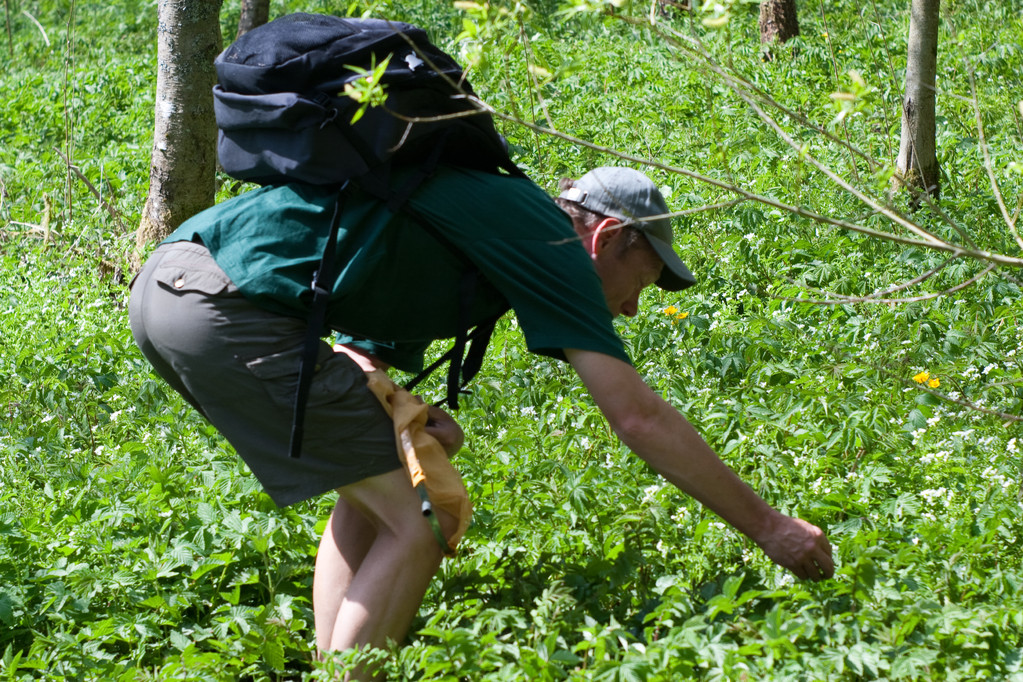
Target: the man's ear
pixel 604 234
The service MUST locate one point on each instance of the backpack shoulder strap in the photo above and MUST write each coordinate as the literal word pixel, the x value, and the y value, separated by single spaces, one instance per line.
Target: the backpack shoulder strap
pixel 322 282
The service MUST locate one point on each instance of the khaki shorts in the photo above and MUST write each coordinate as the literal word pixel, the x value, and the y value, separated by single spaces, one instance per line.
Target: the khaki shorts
pixel 238 365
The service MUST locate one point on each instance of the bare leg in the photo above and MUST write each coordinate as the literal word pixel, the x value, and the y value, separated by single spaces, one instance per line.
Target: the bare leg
pixel 377 558
pixel 345 542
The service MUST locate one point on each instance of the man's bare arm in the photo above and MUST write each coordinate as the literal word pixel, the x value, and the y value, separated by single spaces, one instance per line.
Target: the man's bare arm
pixel 663 438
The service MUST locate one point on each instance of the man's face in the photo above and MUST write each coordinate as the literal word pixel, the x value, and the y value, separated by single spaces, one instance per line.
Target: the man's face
pixel 625 273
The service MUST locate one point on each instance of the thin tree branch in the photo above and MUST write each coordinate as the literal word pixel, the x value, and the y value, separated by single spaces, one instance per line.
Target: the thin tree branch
pixel 893 85
pixel 838 180
pixel 891 290
pixel 840 299
pixel 834 65
pixel 7 20
pixel 944 396
pixel 927 240
pixel 1009 221
pixel 937 245
pixel 707 63
pixel 46 38
pixel 695 48
pixel 536 83
pixel 95 192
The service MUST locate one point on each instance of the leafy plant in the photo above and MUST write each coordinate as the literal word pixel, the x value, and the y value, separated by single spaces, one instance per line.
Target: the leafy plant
pixel 134 545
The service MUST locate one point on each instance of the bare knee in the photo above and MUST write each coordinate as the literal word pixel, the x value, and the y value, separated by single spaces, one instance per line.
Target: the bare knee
pixel 417 539
pixel 393 508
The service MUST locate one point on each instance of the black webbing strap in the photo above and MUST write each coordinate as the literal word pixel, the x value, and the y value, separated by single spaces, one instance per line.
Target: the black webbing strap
pixel 464 365
pixel 466 294
pixel 323 281
pixel 460 372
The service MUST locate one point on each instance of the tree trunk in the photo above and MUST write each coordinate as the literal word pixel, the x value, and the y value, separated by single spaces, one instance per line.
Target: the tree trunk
pixel 183 167
pixel 778 21
pixel 254 13
pixel 917 163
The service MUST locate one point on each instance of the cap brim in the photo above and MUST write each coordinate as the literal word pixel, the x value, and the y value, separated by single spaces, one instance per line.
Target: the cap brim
pixel 675 276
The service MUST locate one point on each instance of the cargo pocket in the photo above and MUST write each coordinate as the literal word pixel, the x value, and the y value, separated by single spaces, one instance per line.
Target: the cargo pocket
pixel 279 374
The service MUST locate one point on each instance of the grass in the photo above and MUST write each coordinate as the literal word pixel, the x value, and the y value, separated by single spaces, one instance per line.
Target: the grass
pixel 133 545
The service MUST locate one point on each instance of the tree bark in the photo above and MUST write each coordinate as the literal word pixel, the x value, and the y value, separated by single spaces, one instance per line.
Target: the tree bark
pixel 183 167
pixel 254 13
pixel 918 163
pixel 778 21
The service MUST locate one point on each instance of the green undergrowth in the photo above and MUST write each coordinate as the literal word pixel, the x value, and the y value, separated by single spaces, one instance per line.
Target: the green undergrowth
pixel 134 545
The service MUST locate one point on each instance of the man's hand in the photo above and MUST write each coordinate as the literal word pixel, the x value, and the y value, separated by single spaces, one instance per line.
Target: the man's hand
pixel 445 429
pixel 799 546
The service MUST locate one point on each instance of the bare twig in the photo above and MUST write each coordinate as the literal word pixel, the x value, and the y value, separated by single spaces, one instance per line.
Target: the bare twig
pixel 673 214
pixel 7 19
pixel 900 287
pixel 746 91
pixel 46 38
pixel 535 89
pixel 95 192
pixel 837 179
pixel 840 299
pixel 893 84
pixel 536 83
pixel 694 47
pixel 944 396
pixel 45 233
pixel 705 62
pixel 1009 382
pixel 1010 221
pixel 708 207
pixel 935 244
pixel 69 135
pixel 834 65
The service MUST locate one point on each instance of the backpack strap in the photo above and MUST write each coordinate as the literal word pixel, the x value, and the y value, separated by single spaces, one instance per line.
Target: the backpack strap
pixel 322 282
pixel 460 371
pixel 465 365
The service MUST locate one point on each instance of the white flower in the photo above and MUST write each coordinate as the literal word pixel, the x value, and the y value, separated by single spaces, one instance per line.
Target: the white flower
pixel 680 515
pixel 649 492
pixel 935 494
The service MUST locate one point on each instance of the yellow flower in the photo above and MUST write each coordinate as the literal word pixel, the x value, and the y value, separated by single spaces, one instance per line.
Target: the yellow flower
pixel 921 377
pixel 671 310
pixel 934 382
pixel 681 316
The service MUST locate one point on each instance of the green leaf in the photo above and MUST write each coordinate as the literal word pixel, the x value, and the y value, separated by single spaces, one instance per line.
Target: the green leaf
pixel 273 654
pixel 7 604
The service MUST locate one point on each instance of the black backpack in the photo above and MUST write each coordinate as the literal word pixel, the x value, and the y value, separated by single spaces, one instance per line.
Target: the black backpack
pixel 283 116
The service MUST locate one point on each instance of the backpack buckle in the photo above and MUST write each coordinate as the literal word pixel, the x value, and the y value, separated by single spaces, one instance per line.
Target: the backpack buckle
pixel 331 117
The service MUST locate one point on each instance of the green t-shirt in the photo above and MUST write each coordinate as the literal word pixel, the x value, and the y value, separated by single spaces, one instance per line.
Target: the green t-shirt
pixel 397 286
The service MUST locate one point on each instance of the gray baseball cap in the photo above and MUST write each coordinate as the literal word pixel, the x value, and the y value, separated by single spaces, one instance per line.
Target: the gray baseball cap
pixel 632 197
